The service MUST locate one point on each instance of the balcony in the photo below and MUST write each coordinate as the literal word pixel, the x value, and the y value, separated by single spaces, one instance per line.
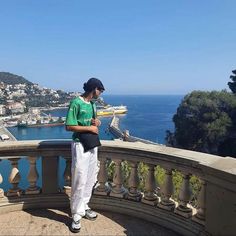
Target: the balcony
pixel 213 211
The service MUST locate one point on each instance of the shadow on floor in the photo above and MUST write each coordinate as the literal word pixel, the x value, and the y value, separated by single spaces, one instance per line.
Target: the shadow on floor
pixel 50 214
pixel 127 225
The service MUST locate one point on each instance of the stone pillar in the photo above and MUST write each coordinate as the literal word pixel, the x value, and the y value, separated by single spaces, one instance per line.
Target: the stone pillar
pixel 14 179
pixel 221 202
pixel 102 189
pixel 133 193
pixel 32 177
pixel 184 198
pixel 166 192
pixel 118 190
pixel 1 190
pixel 150 186
pixel 50 174
pixel 67 176
pixel 201 205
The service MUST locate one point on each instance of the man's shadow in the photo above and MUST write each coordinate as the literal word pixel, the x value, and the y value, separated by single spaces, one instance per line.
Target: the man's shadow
pixel 64 216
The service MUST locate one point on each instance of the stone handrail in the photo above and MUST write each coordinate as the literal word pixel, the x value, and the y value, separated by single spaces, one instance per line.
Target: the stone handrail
pixel 216 204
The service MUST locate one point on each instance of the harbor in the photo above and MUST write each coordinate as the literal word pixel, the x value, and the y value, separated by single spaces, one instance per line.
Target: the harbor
pixel 33 120
pixel 40 116
pixel 124 135
pixel 45 120
pixel 6 135
pixel 135 120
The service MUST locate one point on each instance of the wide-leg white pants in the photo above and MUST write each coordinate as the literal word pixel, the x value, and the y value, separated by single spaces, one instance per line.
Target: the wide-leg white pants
pixel 84 170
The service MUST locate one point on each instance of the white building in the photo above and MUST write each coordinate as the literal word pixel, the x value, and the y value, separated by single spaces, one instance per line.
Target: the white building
pixel 16 107
pixel 2 110
pixel 34 111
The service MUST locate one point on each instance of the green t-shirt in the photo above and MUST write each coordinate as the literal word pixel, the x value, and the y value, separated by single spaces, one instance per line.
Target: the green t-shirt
pixel 79 113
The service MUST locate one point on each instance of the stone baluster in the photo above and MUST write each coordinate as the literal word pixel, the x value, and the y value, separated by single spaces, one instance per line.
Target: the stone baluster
pixel 1 190
pixel 150 196
pixel 117 189
pixel 133 182
pixel 166 192
pixel 14 179
pixel 201 205
pixel 33 177
pixel 184 198
pixel 102 188
pixel 50 174
pixel 67 176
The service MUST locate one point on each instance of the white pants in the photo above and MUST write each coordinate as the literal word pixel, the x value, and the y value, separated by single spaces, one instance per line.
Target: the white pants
pixel 84 170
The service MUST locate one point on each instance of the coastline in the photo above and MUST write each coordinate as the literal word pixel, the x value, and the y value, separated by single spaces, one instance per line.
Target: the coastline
pixel 4 130
pixel 53 108
pixel 148 117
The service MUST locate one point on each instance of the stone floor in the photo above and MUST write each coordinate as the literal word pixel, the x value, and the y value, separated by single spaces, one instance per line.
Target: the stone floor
pixel 55 222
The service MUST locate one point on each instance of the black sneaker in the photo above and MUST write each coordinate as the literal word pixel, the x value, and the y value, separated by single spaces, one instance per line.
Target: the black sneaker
pixel 75 226
pixel 90 215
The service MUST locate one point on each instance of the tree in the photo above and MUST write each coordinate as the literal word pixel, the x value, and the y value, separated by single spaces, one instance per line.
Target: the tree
pixel 204 122
pixel 232 85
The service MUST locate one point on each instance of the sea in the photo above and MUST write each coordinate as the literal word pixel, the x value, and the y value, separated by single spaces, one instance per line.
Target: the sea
pixel 148 117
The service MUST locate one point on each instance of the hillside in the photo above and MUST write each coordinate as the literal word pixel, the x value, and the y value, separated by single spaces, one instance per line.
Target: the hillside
pixel 32 95
pixel 9 78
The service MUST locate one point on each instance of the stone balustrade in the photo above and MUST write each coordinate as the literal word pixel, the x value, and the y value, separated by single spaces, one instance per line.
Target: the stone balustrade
pixel 215 211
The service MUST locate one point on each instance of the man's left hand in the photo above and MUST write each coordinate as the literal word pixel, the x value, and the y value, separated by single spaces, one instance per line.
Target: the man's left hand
pixel 96 122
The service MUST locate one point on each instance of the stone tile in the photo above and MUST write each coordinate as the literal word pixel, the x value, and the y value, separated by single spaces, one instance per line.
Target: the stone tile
pixel 56 222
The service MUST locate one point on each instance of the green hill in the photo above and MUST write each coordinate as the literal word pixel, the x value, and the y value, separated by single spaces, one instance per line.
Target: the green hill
pixel 9 78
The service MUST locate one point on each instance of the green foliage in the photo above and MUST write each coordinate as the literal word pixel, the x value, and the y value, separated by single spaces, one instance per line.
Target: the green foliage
pixel 110 170
pixel 142 172
pixel 159 175
pixel 232 85
pixel 195 183
pixel 204 121
pixel 126 172
pixel 177 181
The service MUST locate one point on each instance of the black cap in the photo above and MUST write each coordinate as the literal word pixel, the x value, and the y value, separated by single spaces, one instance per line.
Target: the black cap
pixel 93 83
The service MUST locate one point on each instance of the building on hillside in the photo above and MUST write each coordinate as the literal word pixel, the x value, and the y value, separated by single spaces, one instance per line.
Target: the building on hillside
pixel 2 110
pixel 34 110
pixel 2 85
pixel 15 107
pixel 19 93
pixel 75 94
pixel 20 86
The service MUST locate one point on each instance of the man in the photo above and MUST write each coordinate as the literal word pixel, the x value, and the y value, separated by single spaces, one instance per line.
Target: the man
pixel 81 118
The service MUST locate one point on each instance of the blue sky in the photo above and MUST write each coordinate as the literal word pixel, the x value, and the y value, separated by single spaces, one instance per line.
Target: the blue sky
pixel 133 46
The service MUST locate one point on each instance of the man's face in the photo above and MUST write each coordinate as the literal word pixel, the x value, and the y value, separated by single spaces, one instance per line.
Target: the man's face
pixel 97 93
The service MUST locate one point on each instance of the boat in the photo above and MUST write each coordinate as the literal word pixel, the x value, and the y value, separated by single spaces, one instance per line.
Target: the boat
pixel 111 110
pixel 105 109
pixel 10 123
